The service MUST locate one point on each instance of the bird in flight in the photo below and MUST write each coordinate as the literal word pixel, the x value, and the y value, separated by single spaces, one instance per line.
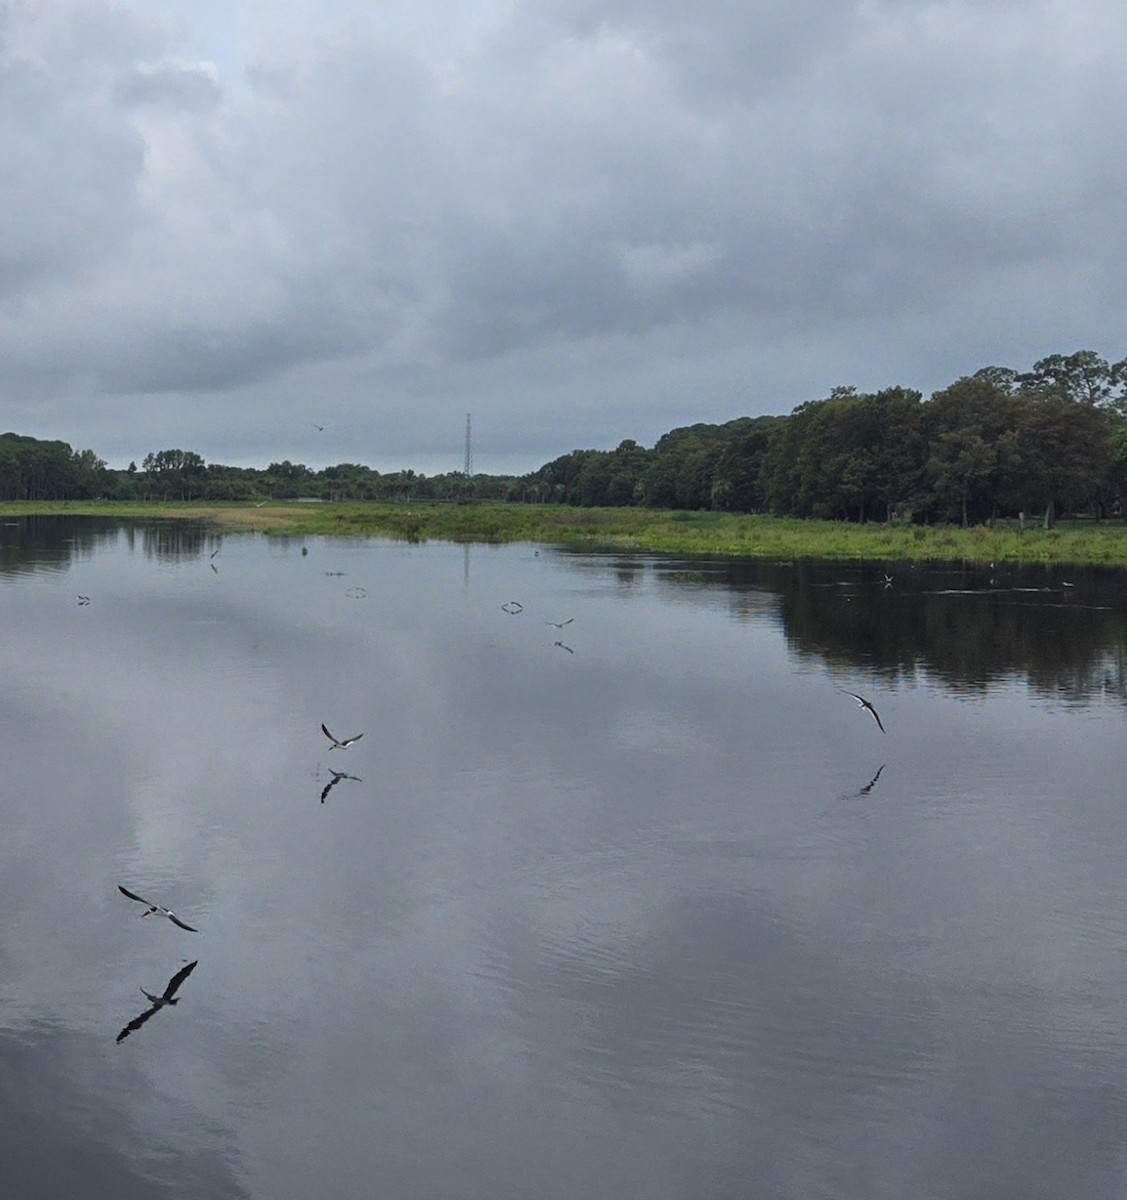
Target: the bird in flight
pixel 512 607
pixel 339 743
pixel 83 600
pixel 559 624
pixel 337 776
pixel 563 647
pixel 157 909
pixel 158 1002
pixel 319 428
pixel 868 708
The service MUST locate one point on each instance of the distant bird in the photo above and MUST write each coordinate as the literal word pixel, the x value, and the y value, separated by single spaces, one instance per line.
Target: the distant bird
pixel 156 909
pixel 260 504
pixel 158 1002
pixel 214 567
pixel 867 707
pixel 559 624
pixel 319 428
pixel 512 607
pixel 563 647
pixel 887 582
pixel 83 600
pixel 339 743
pixel 214 552
pixel 337 776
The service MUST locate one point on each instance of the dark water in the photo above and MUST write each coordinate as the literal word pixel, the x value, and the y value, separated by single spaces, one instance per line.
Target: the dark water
pixel 654 913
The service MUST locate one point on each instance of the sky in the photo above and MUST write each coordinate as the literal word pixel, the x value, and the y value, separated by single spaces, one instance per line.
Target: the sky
pixel 228 222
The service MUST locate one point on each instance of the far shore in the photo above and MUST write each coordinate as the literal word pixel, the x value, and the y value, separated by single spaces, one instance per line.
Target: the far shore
pixel 1080 542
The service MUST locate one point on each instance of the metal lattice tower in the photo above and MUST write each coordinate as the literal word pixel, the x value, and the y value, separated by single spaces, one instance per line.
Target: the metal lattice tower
pixel 469 449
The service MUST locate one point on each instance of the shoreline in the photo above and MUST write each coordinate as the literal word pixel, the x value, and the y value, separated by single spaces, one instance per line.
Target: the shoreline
pixel 1081 542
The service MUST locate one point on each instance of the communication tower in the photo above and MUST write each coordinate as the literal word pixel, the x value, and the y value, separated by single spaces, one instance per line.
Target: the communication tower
pixel 469 449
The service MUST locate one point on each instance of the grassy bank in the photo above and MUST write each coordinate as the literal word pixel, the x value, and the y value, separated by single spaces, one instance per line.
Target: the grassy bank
pixel 1074 543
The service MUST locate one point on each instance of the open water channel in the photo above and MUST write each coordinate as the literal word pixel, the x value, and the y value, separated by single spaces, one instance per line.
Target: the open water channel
pixel 641 907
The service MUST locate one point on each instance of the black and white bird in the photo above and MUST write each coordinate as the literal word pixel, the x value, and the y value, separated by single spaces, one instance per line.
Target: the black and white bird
pixel 337 776
pixel 168 996
pixel 559 624
pixel 83 600
pixel 152 909
pixel 868 708
pixel 339 743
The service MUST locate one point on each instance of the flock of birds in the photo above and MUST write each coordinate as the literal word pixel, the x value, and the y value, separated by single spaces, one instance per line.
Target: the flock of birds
pixel 152 909
pixel 169 996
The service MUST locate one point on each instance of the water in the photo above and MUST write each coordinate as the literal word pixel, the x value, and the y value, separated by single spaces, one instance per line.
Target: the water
pixel 655 913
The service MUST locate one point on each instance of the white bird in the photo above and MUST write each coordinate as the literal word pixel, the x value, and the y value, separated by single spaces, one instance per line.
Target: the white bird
pixel 156 909
pixel 868 708
pixel 339 743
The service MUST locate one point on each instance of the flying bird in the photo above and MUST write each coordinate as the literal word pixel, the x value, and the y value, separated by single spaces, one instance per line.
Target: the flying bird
pixel 868 708
pixel 337 776
pixel 339 743
pixel 158 1002
pixel 512 607
pixel 559 624
pixel 319 428
pixel 83 600
pixel 563 647
pixel 156 909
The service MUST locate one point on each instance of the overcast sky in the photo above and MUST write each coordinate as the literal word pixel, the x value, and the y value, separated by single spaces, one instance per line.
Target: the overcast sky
pixel 227 221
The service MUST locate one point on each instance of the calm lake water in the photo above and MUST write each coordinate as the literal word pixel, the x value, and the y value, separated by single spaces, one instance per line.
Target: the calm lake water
pixel 643 907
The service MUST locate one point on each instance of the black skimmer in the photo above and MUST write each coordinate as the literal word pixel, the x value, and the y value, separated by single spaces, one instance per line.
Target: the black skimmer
pixel 339 743
pixel 319 428
pixel 156 909
pixel 559 624
pixel 512 607
pixel 168 996
pixel 82 600
pixel 563 647
pixel 337 776
pixel 867 707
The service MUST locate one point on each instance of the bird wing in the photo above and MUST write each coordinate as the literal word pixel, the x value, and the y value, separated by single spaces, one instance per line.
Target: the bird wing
pixel 176 921
pixel 136 1023
pixel 329 787
pixel 325 731
pixel 178 979
pixel 132 895
pixel 875 717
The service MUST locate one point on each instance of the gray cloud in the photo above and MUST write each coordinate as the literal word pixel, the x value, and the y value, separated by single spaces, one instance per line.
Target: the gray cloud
pixel 583 222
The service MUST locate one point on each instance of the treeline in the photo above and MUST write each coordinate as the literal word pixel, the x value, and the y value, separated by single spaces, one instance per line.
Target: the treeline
pixel 31 469
pixel 995 443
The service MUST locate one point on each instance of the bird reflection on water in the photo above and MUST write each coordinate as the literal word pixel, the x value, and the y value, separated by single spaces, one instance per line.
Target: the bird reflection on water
pixel 167 997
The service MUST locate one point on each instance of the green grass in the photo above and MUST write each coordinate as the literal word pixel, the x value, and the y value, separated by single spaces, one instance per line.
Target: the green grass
pixel 1074 542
